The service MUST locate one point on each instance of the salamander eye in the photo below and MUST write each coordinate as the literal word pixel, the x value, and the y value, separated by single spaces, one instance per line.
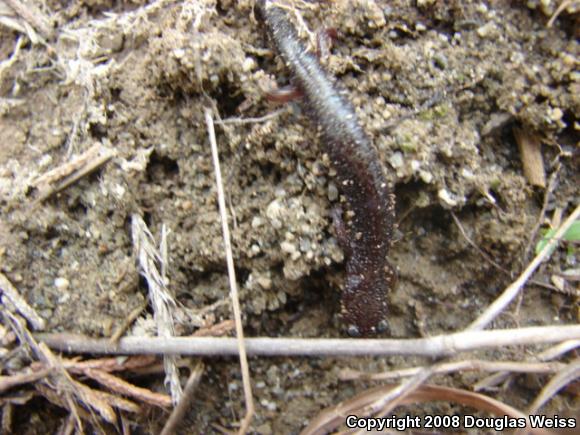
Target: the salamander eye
pixel 353 331
pixel 383 326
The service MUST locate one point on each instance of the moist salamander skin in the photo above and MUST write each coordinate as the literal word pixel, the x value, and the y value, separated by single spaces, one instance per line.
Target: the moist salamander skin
pixel 366 235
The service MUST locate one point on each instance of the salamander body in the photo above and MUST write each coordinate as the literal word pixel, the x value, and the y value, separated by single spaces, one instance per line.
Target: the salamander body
pixel 366 234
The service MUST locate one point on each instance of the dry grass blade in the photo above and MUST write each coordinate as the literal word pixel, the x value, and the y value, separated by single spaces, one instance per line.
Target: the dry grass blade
pixel 251 120
pixel 567 375
pixel 383 406
pixel 513 289
pixel 152 263
pixel 232 277
pixel 547 355
pixel 332 418
pixel 10 292
pixel 563 6
pixel 560 349
pixel 451 367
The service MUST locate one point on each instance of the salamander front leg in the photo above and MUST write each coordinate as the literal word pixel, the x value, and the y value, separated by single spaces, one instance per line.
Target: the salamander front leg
pixel 284 95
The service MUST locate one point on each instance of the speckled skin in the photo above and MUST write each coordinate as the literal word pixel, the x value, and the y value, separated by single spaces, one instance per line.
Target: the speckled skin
pixel 366 237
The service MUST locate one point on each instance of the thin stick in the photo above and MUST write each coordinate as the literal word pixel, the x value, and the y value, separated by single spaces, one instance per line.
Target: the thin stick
pixel 239 121
pixel 474 246
pixel 441 345
pixel 185 403
pixel 512 291
pixel 20 304
pixel 7 382
pixel 70 172
pixel 232 278
pixel 125 388
pixel 488 258
pixel 129 321
pixel 456 366
pixel 216 330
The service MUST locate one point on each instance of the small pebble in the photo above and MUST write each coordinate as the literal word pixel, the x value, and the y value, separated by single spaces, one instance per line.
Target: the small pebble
pixel 61 283
pixel 396 160
pixel 487 29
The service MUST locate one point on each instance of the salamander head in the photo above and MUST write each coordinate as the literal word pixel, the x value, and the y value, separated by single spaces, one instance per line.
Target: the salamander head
pixel 364 304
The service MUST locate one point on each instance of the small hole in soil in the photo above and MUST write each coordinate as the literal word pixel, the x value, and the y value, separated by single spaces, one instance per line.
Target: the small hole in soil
pixel 161 168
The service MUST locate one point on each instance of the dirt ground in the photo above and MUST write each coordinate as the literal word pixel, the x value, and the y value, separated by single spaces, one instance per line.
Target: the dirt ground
pixel 441 87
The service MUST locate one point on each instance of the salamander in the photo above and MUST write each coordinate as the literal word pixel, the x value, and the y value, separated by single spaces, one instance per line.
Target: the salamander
pixel 366 234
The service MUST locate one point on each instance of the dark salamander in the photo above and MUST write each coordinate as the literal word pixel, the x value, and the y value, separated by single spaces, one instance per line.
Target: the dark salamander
pixel 366 237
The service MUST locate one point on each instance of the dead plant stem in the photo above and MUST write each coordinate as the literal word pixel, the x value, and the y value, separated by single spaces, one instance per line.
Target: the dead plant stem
pixel 241 347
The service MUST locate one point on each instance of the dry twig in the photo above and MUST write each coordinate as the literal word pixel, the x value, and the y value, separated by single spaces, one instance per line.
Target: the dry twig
pixel 63 176
pixel 436 346
pixel 216 330
pixel 128 321
pixel 120 386
pixel 7 382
